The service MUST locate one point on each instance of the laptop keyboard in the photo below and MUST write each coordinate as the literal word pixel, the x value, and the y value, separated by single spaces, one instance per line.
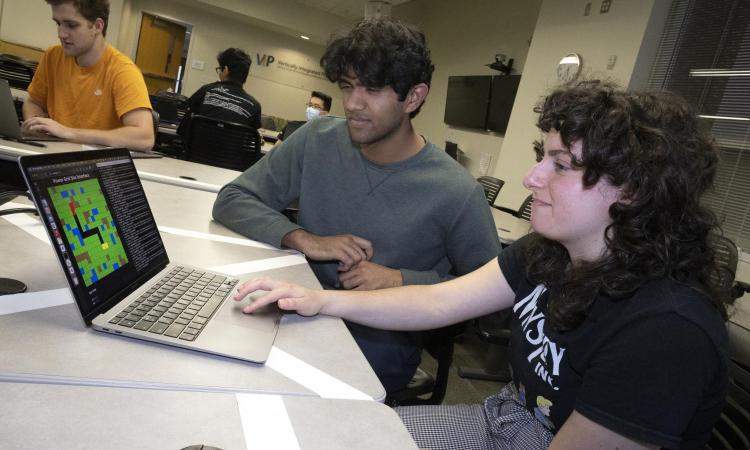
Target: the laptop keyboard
pixel 178 305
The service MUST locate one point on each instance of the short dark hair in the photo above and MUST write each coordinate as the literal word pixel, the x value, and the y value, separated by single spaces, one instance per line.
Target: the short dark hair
pixel 327 100
pixel 651 146
pixel 381 52
pixel 238 63
pixel 90 9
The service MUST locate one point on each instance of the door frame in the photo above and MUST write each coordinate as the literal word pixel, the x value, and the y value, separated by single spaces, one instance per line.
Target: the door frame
pixel 187 48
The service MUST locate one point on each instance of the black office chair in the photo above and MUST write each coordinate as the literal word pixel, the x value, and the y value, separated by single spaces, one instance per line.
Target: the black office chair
pixel 524 212
pixel 438 344
pixel 494 330
pixel 291 127
pixel 491 187
pixel 732 430
pixel 17 71
pixel 155 123
pixel 222 144
pixel 726 255
pixel 292 211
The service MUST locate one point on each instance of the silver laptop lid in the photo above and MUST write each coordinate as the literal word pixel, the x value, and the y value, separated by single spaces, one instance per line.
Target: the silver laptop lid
pixel 9 126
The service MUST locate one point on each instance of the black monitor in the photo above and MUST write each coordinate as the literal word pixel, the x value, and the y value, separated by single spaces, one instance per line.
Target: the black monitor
pixel 502 95
pixel 466 101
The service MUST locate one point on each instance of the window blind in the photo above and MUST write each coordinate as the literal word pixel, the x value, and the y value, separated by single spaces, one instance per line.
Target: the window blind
pixel 704 55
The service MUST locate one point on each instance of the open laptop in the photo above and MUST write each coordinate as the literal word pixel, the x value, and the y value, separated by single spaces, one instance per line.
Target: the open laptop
pixel 9 126
pixel 167 109
pixel 95 211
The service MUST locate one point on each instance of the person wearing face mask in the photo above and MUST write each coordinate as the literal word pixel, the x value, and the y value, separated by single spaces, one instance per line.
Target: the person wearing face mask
pixel 319 105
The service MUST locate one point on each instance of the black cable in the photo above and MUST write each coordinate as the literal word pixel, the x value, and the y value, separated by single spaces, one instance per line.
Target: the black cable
pixel 11 194
pixel 6 195
pixel 6 212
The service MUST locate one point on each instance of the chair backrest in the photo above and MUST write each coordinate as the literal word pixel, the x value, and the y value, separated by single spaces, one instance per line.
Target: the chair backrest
pixel 222 144
pixel 439 344
pixel 491 187
pixel 725 253
pixel 155 122
pixel 524 212
pixel 267 122
pixel 172 107
pixel 17 71
pixel 291 127
pixel 732 430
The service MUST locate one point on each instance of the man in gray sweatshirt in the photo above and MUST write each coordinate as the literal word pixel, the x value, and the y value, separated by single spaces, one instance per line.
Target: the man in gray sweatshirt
pixel 379 205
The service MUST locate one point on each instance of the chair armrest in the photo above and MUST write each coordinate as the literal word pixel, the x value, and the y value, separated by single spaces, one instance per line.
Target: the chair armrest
pixel 508 210
pixel 739 289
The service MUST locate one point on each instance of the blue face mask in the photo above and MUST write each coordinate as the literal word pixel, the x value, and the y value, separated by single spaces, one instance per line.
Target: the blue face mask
pixel 311 113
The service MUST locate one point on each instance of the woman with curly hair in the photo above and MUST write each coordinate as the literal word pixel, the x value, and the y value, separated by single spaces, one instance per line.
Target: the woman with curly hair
pixel 617 329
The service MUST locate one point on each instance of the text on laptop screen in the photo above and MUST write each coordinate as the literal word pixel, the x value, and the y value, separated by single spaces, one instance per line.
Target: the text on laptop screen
pixel 101 225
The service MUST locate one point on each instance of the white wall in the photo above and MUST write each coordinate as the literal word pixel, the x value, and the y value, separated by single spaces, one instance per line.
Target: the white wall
pixel 463 37
pixel 282 93
pixel 29 22
pixel 629 31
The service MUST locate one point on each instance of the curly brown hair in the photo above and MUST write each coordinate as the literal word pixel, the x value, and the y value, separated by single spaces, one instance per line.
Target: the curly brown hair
pixel 650 146
pixel 382 52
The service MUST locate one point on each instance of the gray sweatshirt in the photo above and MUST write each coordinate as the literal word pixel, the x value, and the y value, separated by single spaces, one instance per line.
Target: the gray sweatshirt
pixel 425 216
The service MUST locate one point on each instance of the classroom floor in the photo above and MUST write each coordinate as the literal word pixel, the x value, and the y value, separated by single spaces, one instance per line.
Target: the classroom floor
pixel 469 351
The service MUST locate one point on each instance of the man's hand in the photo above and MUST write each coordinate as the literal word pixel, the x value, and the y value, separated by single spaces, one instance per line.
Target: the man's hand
pixel 347 249
pixel 41 126
pixel 366 276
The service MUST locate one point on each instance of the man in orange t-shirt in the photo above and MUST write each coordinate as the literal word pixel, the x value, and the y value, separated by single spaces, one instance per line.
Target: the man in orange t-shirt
pixel 84 90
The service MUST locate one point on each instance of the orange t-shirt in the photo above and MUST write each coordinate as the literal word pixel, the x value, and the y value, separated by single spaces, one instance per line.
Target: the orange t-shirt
pixel 93 97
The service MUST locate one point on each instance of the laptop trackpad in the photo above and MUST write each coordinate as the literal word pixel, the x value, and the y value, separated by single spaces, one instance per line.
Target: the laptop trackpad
pixel 234 333
pixel 231 313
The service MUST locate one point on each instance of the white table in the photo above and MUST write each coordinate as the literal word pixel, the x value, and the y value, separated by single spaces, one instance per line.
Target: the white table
pixel 311 356
pixel 43 416
pixel 509 227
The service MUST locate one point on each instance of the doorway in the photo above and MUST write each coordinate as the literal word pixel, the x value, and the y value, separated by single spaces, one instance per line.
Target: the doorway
pixel 162 52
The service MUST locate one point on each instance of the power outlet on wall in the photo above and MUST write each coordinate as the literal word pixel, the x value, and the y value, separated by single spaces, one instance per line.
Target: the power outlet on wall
pixel 197 65
pixel 611 62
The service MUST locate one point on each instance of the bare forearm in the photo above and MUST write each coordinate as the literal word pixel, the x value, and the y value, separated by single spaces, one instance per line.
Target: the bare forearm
pixel 423 307
pixel 296 240
pixel 417 307
pixel 134 138
pixel 31 109
pixel 406 308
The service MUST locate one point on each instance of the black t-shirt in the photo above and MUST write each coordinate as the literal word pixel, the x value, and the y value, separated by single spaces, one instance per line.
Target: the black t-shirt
pixel 224 100
pixel 652 367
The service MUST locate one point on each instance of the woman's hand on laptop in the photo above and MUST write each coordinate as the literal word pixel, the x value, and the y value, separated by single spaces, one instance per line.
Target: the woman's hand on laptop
pixel 290 297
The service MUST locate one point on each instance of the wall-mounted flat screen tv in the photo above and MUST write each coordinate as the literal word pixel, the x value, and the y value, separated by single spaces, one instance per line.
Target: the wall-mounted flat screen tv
pixel 466 102
pixel 502 95
pixel 481 102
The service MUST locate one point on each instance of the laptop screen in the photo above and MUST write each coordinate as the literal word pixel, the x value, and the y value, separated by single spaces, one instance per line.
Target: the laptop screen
pixel 97 216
